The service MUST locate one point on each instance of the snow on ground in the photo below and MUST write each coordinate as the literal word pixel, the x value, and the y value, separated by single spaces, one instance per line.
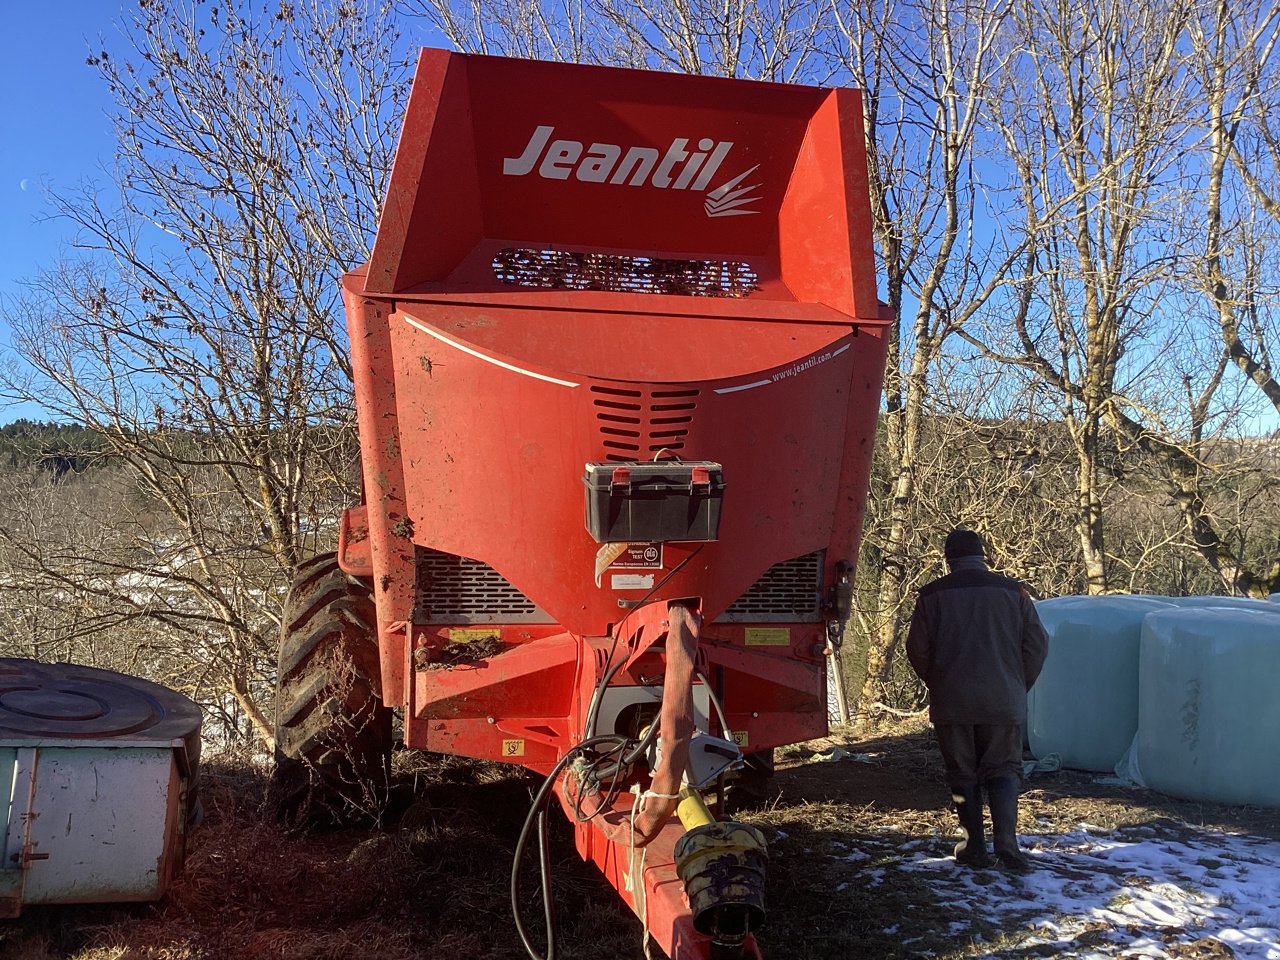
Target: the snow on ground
pixel 1165 890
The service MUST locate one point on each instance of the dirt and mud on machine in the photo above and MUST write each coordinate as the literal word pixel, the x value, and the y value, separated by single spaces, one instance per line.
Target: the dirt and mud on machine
pixel 618 357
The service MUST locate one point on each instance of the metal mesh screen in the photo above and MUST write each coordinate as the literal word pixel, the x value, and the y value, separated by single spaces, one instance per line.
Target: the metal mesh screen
pixel 789 592
pixel 573 270
pixel 458 590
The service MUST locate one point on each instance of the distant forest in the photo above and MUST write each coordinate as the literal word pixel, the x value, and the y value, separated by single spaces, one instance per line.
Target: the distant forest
pixel 57 447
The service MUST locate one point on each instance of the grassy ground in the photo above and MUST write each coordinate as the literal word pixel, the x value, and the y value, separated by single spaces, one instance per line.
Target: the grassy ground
pixel 434 884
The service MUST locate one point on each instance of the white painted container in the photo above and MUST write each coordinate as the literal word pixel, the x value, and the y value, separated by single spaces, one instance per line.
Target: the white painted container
pixel 1084 706
pixel 1209 704
pixel 97 785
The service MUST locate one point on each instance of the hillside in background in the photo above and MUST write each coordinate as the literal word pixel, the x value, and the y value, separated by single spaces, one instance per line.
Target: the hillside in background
pixel 57 447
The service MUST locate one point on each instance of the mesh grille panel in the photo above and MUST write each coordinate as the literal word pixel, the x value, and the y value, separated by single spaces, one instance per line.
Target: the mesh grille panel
pixel 458 590
pixel 572 270
pixel 789 592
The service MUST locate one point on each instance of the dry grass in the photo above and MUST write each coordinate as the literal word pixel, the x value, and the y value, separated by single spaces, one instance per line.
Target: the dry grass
pixel 434 885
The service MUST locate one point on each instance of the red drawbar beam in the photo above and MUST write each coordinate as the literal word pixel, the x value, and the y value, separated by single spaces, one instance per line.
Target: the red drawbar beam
pixel 645 877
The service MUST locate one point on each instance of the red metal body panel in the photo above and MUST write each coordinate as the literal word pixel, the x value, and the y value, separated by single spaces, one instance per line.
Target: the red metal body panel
pixel 582 264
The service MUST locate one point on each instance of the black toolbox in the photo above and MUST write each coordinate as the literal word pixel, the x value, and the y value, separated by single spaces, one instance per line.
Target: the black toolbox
pixel 653 500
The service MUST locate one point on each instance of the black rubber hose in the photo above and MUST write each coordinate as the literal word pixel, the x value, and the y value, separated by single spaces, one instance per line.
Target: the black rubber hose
pixel 594 710
pixel 649 736
pixel 539 803
pixel 544 869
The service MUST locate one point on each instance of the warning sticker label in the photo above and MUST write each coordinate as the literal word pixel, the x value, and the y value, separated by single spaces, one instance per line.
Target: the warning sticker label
pixel 768 636
pixel 632 581
pixel 471 634
pixel 640 556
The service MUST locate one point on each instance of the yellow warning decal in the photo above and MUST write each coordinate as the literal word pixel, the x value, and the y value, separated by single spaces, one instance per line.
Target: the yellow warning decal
pixel 740 738
pixel 470 634
pixel 768 636
pixel 513 748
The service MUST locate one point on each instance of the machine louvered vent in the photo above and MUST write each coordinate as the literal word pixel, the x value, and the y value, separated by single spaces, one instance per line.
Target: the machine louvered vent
pixel 574 270
pixel 458 590
pixel 789 592
pixel 640 424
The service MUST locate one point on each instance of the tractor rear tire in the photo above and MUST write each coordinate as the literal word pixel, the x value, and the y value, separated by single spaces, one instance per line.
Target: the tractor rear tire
pixel 333 733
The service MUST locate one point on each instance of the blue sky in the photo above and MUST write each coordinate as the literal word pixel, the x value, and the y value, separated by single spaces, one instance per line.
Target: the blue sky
pixel 53 126
pixel 54 129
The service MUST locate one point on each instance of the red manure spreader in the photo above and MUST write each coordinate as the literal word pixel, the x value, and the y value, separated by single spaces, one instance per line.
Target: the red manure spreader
pixel 618 357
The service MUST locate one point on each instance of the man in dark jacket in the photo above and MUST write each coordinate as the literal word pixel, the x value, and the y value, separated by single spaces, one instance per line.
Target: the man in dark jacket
pixel 978 645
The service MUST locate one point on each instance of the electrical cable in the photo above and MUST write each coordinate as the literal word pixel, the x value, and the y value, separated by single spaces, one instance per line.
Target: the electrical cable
pixel 605 678
pixel 539 803
pixel 537 811
pixel 594 709
pixel 725 731
pixel 643 744
pixel 591 773
pixel 544 870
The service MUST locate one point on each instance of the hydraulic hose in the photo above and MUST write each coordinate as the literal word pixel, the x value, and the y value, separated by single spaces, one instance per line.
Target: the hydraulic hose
pixel 535 815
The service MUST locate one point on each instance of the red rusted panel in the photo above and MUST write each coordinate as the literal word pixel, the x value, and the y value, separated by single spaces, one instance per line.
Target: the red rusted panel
pixel 390 548
pixel 512 707
pixel 778 431
pixel 491 396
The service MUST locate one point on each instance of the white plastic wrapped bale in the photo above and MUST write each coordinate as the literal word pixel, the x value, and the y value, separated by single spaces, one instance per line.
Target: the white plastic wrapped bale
pixel 1208 710
pixel 1235 603
pixel 1084 706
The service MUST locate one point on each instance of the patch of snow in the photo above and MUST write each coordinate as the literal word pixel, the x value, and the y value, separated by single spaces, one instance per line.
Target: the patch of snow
pixel 1094 893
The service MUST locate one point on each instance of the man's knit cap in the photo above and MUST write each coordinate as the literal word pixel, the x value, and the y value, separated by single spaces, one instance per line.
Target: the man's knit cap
pixel 963 543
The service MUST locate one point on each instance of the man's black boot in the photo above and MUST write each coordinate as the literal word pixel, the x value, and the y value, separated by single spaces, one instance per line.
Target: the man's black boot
pixel 1002 794
pixel 972 850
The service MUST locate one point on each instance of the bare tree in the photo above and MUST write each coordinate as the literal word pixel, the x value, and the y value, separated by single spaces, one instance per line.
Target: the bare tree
pixel 1094 117
pixel 1236 50
pixel 740 38
pixel 926 71
pixel 196 325
pixel 81 580
pixel 1179 416
pixel 1235 227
